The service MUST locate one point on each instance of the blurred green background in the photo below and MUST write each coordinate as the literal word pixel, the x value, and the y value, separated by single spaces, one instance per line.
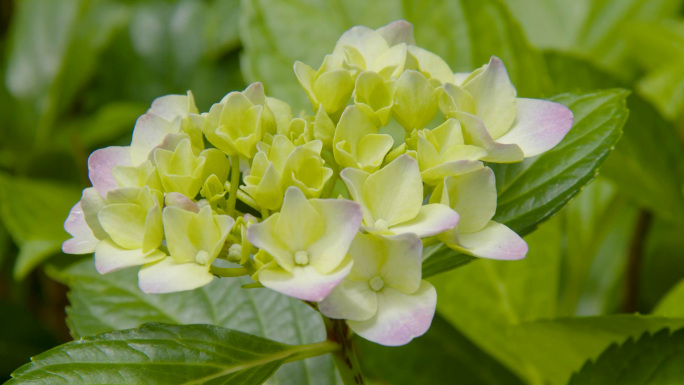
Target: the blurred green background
pixel 76 74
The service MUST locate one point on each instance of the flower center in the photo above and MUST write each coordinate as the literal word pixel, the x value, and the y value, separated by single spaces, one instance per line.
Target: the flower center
pixel 381 224
pixel 301 258
pixel 376 283
pixel 235 252
pixel 202 257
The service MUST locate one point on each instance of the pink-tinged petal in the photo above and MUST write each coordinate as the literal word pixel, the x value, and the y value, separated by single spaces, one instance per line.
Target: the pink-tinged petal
pixel 169 107
pixel 304 282
pixel 396 32
pixel 495 241
pixel 341 221
pixel 400 317
pixel 109 257
pixel 179 200
pixel 494 96
pixel 83 241
pixel 402 268
pixel 432 219
pixel 167 276
pixel 351 300
pixel 149 132
pixel 539 126
pixel 100 164
pixel 475 132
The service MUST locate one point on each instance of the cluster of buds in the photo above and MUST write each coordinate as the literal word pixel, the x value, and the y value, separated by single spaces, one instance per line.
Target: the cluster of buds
pixel 333 208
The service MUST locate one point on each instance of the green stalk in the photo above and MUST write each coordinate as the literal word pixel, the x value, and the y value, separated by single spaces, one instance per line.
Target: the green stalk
pixel 228 271
pixel 345 358
pixel 234 183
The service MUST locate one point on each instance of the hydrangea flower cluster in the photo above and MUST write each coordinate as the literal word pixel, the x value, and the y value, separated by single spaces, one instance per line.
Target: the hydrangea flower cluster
pixel 332 208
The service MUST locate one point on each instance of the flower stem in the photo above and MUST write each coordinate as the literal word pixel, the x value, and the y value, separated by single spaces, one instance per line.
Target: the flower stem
pixel 228 271
pixel 345 358
pixel 234 183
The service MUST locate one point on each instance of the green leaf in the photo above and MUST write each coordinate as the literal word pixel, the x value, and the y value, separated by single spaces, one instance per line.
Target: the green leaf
pixel 647 164
pixel 465 33
pixel 671 304
pixel 652 359
pixel 33 211
pixel 433 358
pixel 531 191
pixel 596 30
pixel 54 51
pixel 164 354
pixel 662 267
pixel 96 301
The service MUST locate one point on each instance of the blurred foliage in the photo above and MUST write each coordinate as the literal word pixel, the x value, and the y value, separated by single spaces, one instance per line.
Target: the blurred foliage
pixel 76 74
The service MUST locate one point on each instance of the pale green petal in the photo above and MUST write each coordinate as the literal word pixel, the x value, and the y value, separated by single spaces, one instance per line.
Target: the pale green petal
pixel 350 300
pixel 340 220
pixel 454 98
pixel 394 193
pixel 124 223
pixel 354 179
pixel 305 76
pixel 431 219
pixel 473 196
pixel 168 276
pixel 263 236
pixel 333 89
pixel 299 224
pixel 431 65
pixel 372 150
pixel 110 257
pixel 415 101
pixel 402 268
pixel 176 222
pixel 369 254
pixel 475 133
pixel 494 97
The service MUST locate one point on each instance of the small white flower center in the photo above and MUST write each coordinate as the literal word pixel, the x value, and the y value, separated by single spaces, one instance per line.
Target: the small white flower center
pixel 202 257
pixel 235 252
pixel 381 224
pixel 301 258
pixel 376 283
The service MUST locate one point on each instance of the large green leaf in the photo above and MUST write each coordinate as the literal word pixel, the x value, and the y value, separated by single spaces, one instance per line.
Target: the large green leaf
pixel 652 359
pixel 465 33
pixel 662 266
pixel 596 30
pixel 648 162
pixel 162 354
pixel 671 304
pixel 96 302
pixel 54 51
pixel 531 191
pixel 438 357
pixel 33 212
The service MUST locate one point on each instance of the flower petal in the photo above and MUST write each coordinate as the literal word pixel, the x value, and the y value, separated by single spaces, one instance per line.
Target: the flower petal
pixel 400 317
pixel 341 221
pixel 539 126
pixel 432 219
pixel 304 282
pixel 399 31
pixel 354 179
pixel 149 132
pixel 475 132
pixel 261 235
pixel 472 195
pixel 83 241
pixel 402 268
pixel 351 300
pixel 494 97
pixel 395 192
pixel 495 241
pixel 167 276
pixel 110 257
pixel 100 164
